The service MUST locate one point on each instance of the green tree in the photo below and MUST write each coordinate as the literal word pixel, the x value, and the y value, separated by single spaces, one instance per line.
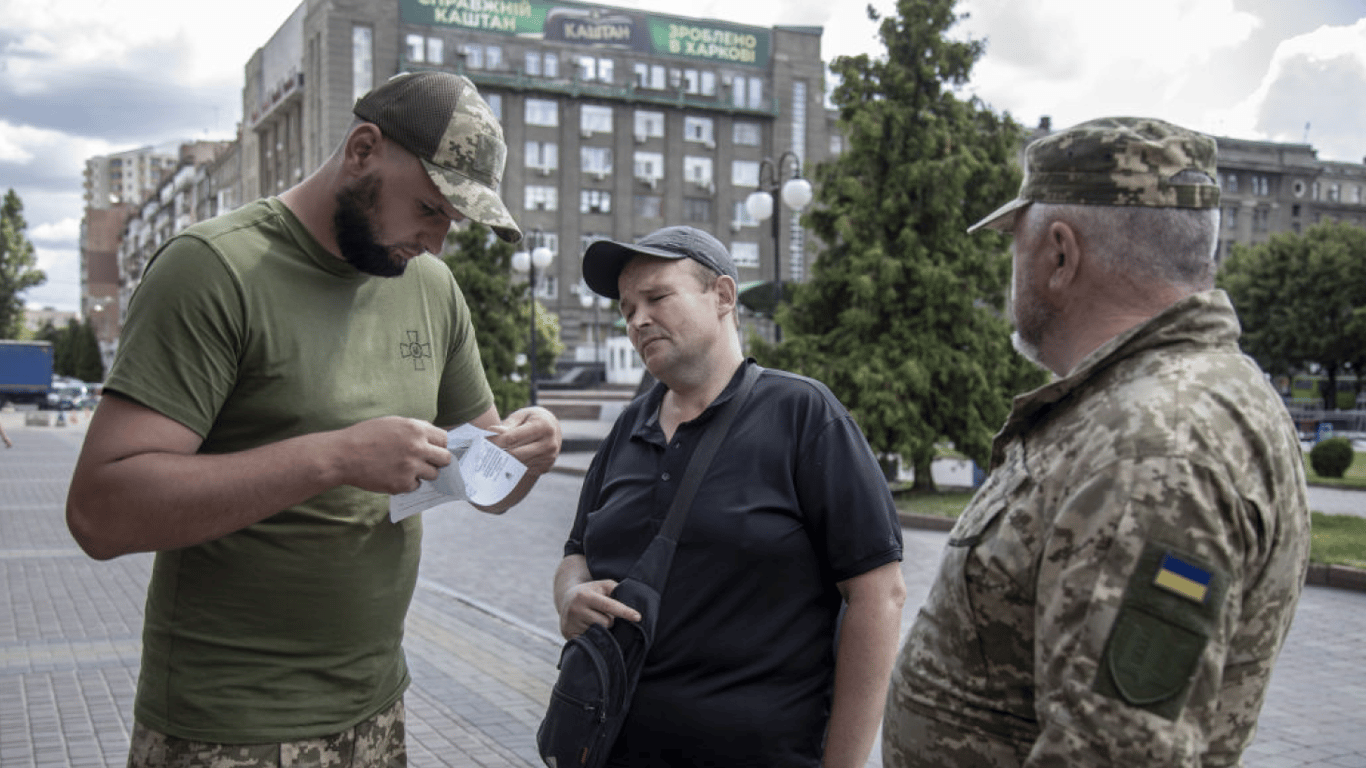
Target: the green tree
pixel 500 307
pixel 1301 299
pixel 18 266
pixel 86 363
pixel 903 316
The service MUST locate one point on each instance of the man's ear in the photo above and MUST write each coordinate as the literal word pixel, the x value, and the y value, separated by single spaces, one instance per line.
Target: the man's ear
pixel 727 293
pixel 363 147
pixel 1063 262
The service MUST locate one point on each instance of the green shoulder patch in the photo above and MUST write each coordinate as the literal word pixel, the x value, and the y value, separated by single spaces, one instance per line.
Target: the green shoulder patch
pixel 1170 609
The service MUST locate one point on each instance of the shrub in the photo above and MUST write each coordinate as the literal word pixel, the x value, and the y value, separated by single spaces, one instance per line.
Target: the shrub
pixel 1331 457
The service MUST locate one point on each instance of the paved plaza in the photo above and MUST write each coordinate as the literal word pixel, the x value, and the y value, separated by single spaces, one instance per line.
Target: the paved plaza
pixel 481 638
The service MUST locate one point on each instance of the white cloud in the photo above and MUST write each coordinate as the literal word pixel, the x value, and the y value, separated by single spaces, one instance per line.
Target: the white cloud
pixel 1316 80
pixel 67 230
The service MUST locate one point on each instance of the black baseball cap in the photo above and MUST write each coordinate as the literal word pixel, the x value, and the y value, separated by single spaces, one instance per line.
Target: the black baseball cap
pixel 604 259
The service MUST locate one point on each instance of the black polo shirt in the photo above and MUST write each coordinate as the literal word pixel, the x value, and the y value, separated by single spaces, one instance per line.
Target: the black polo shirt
pixel 742 667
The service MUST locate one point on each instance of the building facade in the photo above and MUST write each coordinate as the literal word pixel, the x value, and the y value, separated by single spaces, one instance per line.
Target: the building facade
pixel 617 121
pixel 1266 187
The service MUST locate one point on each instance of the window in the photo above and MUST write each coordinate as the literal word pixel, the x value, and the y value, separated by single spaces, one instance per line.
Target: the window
pixel 591 68
pixel 1261 185
pixel 692 83
pixel 362 61
pixel 595 119
pixel 697 170
pixel 745 254
pixel 708 83
pixel 656 77
pixel 1354 194
pixel 542 112
pixel 533 63
pixel 640 75
pixel 1261 218
pixel 542 198
pixel 745 134
pixel 1231 217
pixel 741 216
pixel 745 173
pixel 1333 190
pixel 595 201
pixel 425 50
pixel 699 129
pixel 550 65
pixel 756 93
pixel 1229 182
pixel 836 144
pixel 495 102
pixel 649 165
pixel 675 79
pixel 596 160
pixel 543 156
pixel 647 206
pixel 474 56
pixel 493 57
pixel 547 286
pixel 649 125
pixel 697 210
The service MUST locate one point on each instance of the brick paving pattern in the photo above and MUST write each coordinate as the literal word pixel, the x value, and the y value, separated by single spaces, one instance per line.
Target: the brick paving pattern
pixel 480 640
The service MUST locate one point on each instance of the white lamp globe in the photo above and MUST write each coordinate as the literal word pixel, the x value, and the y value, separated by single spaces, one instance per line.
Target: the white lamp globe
pixel 586 300
pixel 521 261
pixel 541 256
pixel 759 204
pixel 797 193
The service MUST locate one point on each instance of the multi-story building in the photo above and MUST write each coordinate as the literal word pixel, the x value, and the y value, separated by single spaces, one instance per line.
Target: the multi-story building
pixel 617 121
pixel 140 176
pixel 1266 187
pixel 125 177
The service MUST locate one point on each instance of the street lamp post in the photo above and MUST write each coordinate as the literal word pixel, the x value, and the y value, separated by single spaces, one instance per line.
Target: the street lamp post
pixel 539 258
pixel 762 203
pixel 586 300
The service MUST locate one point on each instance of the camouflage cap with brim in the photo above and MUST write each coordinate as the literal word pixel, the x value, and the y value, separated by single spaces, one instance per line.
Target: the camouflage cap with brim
pixel 441 118
pixel 1115 161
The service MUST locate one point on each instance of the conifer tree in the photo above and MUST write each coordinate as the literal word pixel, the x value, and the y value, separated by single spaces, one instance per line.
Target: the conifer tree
pixel 501 311
pixel 903 317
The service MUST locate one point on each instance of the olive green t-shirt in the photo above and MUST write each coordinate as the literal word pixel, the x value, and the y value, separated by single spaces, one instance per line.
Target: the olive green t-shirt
pixel 246 331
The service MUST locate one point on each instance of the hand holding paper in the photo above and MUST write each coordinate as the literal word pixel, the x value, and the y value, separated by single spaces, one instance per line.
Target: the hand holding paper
pixel 481 473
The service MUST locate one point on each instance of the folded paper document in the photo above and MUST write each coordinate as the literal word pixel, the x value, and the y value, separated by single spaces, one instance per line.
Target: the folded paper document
pixel 480 472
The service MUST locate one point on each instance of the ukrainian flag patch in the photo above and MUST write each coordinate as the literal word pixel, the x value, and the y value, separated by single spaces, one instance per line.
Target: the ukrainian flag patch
pixel 1183 578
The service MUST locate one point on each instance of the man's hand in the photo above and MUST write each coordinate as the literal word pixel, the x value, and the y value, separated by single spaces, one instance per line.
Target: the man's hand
pixel 532 436
pixel 391 454
pixel 591 603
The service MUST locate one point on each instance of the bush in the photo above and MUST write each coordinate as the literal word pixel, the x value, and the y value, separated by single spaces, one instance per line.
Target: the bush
pixel 1331 457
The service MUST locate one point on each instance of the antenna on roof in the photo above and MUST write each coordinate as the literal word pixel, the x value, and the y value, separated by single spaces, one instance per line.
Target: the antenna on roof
pixel 1306 133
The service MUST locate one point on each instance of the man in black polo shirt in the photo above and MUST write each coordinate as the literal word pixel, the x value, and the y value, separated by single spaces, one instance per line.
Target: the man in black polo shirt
pixel 793 521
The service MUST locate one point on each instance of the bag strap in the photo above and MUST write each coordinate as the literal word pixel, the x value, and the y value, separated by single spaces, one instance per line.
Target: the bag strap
pixel 701 459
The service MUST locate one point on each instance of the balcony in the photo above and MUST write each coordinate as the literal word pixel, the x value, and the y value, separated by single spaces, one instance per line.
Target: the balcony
pixel 575 88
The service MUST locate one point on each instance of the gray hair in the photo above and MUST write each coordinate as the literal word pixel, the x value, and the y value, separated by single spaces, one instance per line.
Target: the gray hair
pixel 1174 245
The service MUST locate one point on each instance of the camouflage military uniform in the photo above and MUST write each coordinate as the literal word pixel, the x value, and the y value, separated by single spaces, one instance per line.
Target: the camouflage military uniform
pixel 1117 591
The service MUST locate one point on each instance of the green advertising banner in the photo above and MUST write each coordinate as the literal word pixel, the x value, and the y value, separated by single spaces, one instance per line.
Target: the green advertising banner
pixel 600 26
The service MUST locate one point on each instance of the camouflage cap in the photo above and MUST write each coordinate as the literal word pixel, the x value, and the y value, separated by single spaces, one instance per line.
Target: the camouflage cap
pixel 441 118
pixel 1114 161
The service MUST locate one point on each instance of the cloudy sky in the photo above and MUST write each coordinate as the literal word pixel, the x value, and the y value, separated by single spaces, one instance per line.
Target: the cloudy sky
pixel 80 78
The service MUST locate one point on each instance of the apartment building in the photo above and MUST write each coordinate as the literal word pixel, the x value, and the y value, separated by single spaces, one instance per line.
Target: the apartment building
pixel 617 121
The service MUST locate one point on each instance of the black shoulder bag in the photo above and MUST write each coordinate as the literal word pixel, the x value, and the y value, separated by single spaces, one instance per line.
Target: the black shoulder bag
pixel 599 668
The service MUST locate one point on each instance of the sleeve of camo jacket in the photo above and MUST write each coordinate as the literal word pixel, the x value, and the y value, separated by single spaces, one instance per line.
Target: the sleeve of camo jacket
pixel 1139 592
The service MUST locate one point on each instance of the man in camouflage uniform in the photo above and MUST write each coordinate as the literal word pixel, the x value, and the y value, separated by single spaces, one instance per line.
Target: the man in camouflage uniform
pixel 1117 592
pixel 284 368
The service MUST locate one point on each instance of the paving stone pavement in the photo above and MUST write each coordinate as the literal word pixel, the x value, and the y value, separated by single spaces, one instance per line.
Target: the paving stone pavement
pixel 70 627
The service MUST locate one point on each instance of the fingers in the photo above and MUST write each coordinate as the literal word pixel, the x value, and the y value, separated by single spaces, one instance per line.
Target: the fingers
pixel 532 436
pixel 590 603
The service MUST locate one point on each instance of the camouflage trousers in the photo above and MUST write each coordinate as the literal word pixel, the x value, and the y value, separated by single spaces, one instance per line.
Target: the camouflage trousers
pixel 374 743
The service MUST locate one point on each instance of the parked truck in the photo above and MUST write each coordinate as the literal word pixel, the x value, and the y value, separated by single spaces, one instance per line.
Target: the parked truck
pixel 25 372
